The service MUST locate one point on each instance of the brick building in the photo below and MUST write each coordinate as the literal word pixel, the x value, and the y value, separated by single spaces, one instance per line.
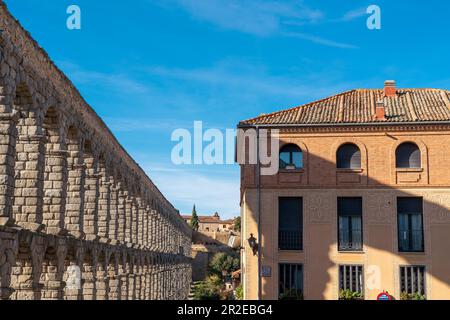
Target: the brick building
pixel 208 224
pixel 360 202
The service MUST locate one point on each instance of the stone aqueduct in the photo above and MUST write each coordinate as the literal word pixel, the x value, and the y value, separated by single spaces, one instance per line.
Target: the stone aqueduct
pixel 71 198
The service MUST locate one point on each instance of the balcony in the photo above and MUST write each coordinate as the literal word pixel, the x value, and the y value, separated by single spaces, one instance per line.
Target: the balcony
pixel 351 242
pixel 290 240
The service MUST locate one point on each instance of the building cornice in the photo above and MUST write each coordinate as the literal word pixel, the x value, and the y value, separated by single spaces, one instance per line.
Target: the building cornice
pixel 357 127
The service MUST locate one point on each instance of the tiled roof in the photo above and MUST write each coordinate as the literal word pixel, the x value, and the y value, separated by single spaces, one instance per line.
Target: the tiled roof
pixel 358 106
pixel 209 219
pixel 228 221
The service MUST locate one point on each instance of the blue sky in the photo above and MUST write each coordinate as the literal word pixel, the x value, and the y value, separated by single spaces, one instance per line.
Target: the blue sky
pixel 151 66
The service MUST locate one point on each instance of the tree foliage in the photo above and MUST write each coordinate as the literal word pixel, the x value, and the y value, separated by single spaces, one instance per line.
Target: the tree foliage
pixel 213 287
pixel 239 293
pixel 194 219
pixel 237 224
pixel 228 262
pixel 208 289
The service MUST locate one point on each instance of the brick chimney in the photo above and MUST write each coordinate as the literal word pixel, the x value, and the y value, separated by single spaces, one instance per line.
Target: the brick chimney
pixel 389 88
pixel 380 111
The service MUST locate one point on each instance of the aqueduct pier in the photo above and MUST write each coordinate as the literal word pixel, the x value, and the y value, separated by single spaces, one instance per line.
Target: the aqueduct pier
pixel 79 219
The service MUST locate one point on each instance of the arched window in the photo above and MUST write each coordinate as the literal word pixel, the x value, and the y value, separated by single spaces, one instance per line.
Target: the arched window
pixel 291 156
pixel 348 157
pixel 408 156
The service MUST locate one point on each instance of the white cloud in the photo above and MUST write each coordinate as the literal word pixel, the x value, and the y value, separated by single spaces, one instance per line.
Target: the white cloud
pixel 256 17
pixel 227 83
pixel 354 14
pixel 320 40
pixel 150 124
pixel 198 93
pixel 261 18
pixel 116 81
pixel 125 83
pixel 236 76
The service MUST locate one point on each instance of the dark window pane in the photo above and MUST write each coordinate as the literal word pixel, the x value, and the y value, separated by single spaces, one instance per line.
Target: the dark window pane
pixel 348 157
pixel 412 281
pixel 410 224
pixel 290 223
pixel 351 278
pixel 403 232
pixel 291 155
pixel 350 223
pixel 344 231
pixel 410 205
pixel 297 159
pixel 349 206
pixel 416 232
pixel 356 224
pixel 285 159
pixel 408 156
pixel 290 281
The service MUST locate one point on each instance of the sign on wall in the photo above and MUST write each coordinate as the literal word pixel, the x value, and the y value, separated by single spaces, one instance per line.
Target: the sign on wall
pixel 384 296
pixel 266 271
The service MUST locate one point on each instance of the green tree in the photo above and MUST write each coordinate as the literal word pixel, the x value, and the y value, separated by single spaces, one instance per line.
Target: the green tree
pixel 194 219
pixel 208 289
pixel 237 224
pixel 224 262
pixel 239 293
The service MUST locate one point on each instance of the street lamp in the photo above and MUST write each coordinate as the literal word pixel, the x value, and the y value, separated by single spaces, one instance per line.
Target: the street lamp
pixel 253 244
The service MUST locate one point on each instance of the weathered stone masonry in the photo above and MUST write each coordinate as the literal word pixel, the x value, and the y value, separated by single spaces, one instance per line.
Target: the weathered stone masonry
pixel 73 203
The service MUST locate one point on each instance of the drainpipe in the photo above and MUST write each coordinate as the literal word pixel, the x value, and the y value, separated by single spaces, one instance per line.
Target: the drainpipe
pixel 258 209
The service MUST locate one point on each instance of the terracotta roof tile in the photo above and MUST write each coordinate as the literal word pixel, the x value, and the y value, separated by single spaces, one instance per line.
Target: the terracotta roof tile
pixel 209 219
pixel 358 106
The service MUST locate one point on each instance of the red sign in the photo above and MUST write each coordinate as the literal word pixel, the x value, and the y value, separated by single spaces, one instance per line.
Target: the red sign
pixel 384 296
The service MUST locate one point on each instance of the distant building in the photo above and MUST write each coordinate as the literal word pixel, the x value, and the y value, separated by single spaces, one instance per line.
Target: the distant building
pixel 214 235
pixel 211 223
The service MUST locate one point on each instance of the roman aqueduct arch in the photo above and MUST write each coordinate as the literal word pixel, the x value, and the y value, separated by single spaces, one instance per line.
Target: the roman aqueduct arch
pixel 79 219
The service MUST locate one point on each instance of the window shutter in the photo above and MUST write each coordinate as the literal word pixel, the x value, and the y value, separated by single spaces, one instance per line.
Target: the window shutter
pixel 290 213
pixel 290 223
pixel 409 205
pixel 408 156
pixel 355 162
pixel 414 159
pixel 349 157
pixel 349 206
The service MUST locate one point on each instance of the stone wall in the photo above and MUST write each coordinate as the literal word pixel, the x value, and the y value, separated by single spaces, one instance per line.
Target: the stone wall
pixel 79 219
